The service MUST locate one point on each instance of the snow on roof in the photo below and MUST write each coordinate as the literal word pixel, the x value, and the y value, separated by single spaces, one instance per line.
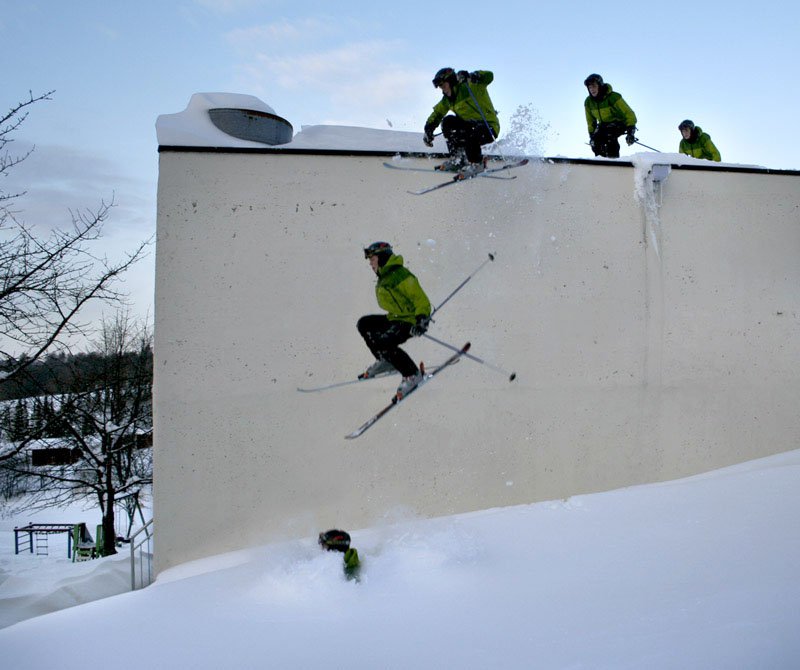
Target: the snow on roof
pixel 193 128
pixel 646 160
pixel 351 138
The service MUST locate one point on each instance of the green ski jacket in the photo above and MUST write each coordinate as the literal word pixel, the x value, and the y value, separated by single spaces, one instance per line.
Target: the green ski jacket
pixel 609 106
pixel 352 564
pixel 462 104
pixel 702 147
pixel 399 293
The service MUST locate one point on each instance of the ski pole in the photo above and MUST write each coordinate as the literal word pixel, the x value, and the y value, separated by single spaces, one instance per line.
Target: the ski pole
pixel 588 144
pixel 461 285
pixel 480 111
pixel 646 147
pixel 511 375
pixel 483 116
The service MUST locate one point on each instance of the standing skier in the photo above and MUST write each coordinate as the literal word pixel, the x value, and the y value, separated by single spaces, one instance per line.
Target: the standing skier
pixel 409 310
pixel 473 122
pixel 607 116
pixel 697 143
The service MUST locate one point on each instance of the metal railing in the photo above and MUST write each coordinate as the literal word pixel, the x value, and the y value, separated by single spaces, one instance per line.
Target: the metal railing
pixel 142 557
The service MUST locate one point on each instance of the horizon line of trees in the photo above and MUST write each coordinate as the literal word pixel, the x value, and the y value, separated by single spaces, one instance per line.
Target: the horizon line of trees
pixel 54 374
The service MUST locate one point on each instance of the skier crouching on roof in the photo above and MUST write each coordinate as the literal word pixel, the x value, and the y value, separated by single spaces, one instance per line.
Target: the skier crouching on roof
pixel 409 310
pixel 696 143
pixel 607 116
pixel 473 122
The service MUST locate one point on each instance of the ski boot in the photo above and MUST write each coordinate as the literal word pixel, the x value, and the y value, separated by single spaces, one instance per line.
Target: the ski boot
pixel 454 164
pixel 407 385
pixel 473 169
pixel 379 367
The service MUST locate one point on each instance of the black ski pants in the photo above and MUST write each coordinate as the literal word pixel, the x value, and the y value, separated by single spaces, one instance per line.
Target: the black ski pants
pixel 467 136
pixel 384 337
pixel 604 139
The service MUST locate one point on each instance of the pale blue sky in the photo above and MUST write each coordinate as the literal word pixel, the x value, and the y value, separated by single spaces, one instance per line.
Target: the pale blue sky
pixel 730 66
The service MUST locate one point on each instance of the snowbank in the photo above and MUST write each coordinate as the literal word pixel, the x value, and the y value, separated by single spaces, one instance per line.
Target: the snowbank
pixel 694 573
pixel 32 585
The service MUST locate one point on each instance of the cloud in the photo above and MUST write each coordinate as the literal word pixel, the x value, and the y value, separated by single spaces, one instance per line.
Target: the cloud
pixel 230 6
pixel 282 34
pixel 332 69
pixel 106 32
pixel 59 179
pixel 356 83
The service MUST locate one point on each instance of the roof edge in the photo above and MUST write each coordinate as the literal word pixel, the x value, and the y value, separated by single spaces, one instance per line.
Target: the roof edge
pixel 746 169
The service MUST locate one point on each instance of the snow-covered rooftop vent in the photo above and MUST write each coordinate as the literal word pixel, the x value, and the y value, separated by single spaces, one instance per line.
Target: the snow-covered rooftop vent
pixel 223 120
pixel 219 120
pixel 251 124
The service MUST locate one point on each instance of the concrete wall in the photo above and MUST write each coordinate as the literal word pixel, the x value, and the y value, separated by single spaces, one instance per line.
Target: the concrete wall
pixel 649 342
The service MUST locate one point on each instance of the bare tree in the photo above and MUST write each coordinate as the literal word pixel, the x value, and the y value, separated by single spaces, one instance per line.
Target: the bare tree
pixel 47 281
pixel 105 430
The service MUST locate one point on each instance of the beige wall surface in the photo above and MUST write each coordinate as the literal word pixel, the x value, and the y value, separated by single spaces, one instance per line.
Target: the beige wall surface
pixel 653 329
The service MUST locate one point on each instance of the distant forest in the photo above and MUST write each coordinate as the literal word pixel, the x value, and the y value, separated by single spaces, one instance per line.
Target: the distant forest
pixel 61 373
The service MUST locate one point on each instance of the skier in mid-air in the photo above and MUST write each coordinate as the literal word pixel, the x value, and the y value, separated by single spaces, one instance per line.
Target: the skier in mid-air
pixel 473 122
pixel 408 314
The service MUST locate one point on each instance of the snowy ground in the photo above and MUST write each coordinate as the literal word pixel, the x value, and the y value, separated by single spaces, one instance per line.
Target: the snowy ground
pixel 696 573
pixel 33 584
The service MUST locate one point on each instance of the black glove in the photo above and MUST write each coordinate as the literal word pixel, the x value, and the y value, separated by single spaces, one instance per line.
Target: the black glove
pixel 630 138
pixel 421 326
pixel 427 135
pixel 463 75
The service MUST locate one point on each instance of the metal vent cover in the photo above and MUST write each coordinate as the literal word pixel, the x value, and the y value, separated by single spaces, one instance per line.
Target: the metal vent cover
pixel 252 125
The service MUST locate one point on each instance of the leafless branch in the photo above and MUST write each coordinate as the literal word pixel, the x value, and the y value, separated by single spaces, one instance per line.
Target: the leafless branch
pixel 46 282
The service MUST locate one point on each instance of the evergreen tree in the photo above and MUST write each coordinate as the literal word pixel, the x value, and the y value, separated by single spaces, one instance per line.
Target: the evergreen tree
pixel 19 427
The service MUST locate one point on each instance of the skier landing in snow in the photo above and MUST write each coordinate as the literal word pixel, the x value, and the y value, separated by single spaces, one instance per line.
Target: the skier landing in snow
pixel 472 124
pixel 409 310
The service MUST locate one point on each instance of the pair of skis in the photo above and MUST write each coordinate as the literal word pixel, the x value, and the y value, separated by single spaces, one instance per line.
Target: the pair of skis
pixel 350 382
pixel 397 399
pixel 427 375
pixel 459 177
